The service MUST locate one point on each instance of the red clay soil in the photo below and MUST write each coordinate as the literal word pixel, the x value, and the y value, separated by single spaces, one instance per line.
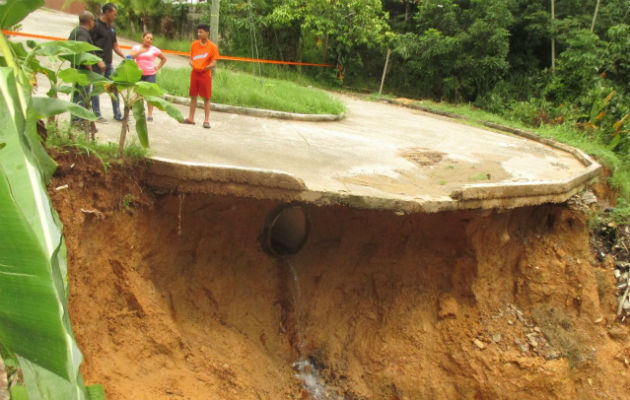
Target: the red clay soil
pixel 172 297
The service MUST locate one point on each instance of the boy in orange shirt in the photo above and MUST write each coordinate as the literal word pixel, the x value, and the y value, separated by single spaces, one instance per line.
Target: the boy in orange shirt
pixel 203 58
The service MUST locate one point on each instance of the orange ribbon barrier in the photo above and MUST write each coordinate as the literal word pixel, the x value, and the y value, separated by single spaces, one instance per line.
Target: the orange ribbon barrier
pixel 183 53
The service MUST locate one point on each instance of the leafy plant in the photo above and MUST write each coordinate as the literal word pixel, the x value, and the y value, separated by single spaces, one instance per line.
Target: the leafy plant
pixel 35 329
pixel 133 92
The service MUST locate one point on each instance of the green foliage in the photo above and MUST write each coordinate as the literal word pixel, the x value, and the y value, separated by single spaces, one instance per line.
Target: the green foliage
pixel 63 136
pixel 458 49
pixel 133 92
pixel 246 90
pixel 34 323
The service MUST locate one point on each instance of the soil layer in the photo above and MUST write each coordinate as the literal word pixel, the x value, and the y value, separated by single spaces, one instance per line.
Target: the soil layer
pixel 172 297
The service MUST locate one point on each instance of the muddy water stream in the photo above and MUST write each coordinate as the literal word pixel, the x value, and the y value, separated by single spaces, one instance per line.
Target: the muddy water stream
pixel 312 381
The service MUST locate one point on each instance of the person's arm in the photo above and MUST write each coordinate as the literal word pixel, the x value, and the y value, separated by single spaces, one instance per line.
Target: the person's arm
pixel 162 61
pixel 117 50
pixel 211 66
pixel 135 51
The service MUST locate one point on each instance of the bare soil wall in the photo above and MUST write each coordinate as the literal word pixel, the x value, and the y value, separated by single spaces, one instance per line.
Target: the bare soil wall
pixel 172 297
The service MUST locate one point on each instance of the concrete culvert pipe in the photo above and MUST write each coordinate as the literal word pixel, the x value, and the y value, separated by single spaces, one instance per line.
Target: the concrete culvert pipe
pixel 286 230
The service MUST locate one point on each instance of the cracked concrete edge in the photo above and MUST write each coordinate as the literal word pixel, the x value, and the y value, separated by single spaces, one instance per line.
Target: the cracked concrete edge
pixel 515 189
pixel 185 177
pixel 200 172
pixel 259 190
pixel 259 112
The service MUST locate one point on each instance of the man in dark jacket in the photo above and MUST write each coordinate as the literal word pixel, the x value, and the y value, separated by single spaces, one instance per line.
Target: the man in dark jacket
pixel 82 34
pixel 104 36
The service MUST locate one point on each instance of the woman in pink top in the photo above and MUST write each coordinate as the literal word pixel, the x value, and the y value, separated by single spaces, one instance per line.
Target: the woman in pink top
pixel 145 55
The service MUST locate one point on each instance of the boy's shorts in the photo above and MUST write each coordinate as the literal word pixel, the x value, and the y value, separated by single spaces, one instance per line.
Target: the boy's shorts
pixel 200 84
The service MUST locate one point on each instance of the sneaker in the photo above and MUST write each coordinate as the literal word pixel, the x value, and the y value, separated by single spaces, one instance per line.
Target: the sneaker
pixel 119 119
pixel 102 120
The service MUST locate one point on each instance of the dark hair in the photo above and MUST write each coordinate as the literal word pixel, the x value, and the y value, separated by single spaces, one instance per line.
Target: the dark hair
pixel 108 7
pixel 205 27
pixel 146 33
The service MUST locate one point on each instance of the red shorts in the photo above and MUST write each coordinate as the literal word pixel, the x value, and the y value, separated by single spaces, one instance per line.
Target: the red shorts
pixel 200 84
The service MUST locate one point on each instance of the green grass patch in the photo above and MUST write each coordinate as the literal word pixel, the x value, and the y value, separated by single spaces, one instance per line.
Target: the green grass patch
pixel 63 136
pixel 246 90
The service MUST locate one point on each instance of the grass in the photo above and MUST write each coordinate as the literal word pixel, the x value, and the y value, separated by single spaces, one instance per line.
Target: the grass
pixel 63 136
pixel 246 90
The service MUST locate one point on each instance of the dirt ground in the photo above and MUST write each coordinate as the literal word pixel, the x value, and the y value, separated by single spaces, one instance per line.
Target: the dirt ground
pixel 172 297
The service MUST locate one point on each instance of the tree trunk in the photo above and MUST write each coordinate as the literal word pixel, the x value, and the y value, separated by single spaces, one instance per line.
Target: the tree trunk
pixel 132 24
pixel 595 15
pixel 553 35
pixel 389 53
pixel 214 21
pixel 123 132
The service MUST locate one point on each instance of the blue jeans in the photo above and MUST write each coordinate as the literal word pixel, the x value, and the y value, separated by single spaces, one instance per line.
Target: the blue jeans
pixel 96 105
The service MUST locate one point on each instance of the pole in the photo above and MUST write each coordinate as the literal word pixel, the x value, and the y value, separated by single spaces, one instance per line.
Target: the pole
pixel 214 21
pixel 389 52
pixel 595 15
pixel 553 35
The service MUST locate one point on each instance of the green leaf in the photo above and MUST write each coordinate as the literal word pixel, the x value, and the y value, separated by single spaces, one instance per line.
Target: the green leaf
pixel 141 123
pixel 71 75
pixel 44 107
pixel 127 73
pixel 81 59
pixel 64 47
pixel 164 105
pixel 95 392
pixel 13 11
pixel 34 321
pixel 148 89
pixel 18 392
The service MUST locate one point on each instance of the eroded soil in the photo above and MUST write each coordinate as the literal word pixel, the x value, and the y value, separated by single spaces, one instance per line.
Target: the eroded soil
pixel 172 297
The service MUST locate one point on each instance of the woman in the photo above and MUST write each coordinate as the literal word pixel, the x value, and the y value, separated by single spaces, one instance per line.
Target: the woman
pixel 145 55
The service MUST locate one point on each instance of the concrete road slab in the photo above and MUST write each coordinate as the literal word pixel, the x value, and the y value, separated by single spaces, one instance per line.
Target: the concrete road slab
pixel 380 156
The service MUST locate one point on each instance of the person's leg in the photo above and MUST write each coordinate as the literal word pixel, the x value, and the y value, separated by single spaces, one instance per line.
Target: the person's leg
pixel 192 107
pixel 109 69
pixel 206 108
pixel 150 79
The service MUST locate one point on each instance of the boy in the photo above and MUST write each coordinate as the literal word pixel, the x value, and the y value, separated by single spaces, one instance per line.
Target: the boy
pixel 203 58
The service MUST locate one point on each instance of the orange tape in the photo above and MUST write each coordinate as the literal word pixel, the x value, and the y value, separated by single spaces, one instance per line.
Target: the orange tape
pixel 181 53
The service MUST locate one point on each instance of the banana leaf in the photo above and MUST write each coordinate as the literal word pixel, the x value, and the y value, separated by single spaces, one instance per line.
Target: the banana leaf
pixel 13 11
pixel 164 105
pixel 34 321
pixel 141 123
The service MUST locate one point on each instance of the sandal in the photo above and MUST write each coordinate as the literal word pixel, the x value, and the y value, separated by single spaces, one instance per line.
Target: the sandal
pixel 150 119
pixel 206 125
pixel 187 121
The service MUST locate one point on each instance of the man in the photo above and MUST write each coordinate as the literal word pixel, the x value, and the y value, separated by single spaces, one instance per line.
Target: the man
pixel 82 34
pixel 203 58
pixel 104 36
